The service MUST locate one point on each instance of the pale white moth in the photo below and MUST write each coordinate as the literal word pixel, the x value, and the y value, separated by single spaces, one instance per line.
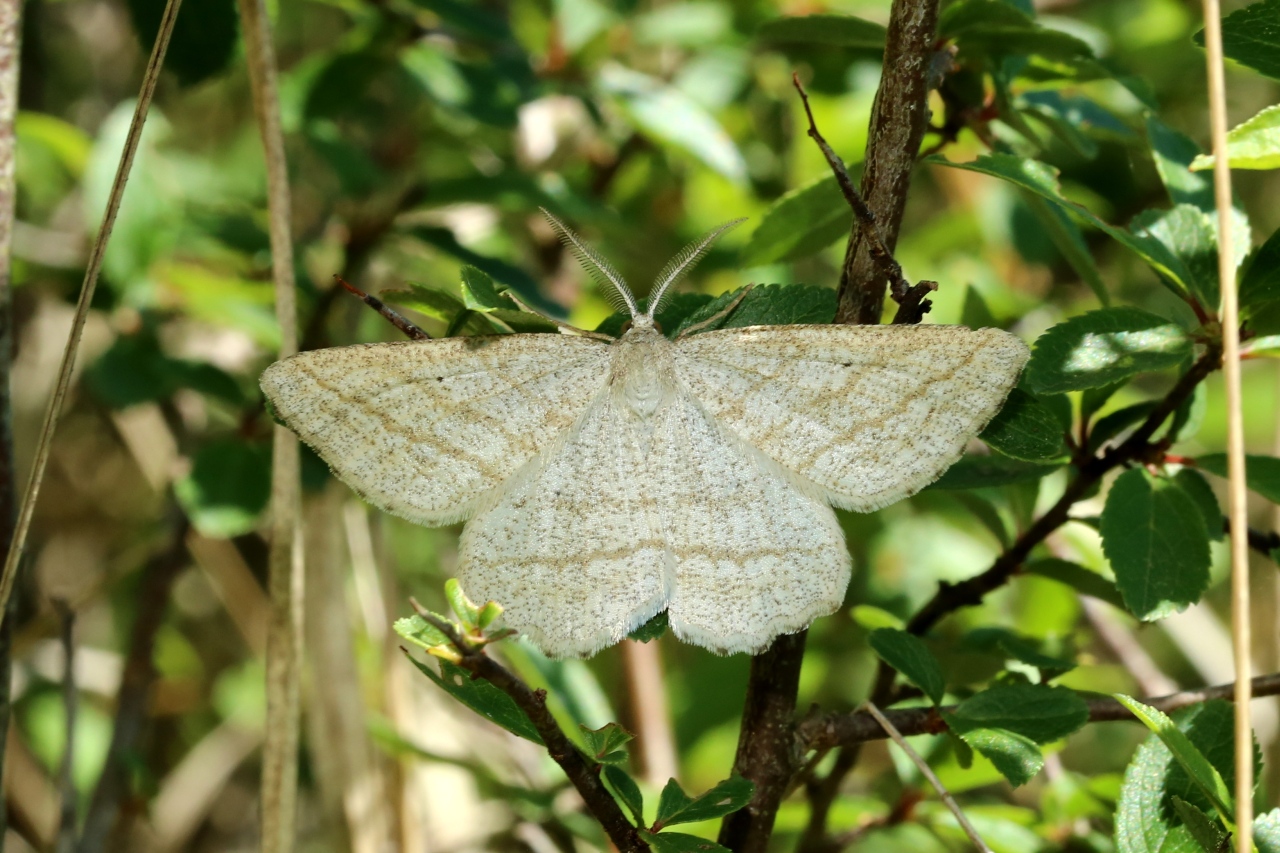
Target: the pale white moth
pixel 603 481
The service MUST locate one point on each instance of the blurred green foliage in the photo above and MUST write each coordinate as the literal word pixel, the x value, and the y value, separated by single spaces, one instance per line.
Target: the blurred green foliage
pixel 1054 199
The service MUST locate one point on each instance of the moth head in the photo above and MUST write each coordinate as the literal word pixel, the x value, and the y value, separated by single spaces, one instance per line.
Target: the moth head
pixel 615 287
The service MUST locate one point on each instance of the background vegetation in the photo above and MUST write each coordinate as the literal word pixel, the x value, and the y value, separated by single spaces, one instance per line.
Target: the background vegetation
pixel 422 136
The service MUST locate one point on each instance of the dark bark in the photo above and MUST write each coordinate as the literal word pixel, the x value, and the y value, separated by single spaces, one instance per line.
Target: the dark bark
pixel 898 122
pixel 767 752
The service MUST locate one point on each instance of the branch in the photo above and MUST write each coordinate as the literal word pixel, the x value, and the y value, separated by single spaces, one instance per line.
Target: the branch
pixel 830 730
pixel 898 122
pixel 583 774
pixel 766 742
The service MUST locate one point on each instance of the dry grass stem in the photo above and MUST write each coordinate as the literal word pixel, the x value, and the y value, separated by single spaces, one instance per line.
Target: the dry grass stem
pixel 45 441
pixel 1237 510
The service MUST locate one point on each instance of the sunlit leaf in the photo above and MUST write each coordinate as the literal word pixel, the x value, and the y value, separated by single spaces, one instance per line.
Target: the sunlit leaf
pixel 1102 347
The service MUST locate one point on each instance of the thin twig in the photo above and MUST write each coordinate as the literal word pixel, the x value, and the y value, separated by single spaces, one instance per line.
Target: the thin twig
pixel 928 773
pixel 650 715
pixel 392 316
pixel 1237 498
pixel 45 442
pixel 911 299
pixel 824 731
pixel 584 776
pixel 284 579
pixel 135 691
pixel 66 777
pixel 10 39
pixel 766 742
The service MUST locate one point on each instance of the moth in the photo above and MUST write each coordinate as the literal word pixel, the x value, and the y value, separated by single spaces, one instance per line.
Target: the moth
pixel 606 480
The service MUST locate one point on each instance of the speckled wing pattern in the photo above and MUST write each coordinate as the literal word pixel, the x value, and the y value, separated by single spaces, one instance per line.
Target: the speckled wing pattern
pixel 869 414
pixel 423 429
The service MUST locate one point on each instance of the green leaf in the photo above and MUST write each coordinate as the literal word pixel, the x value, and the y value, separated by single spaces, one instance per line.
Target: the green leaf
pixel 462 606
pixel 995 28
pixel 1255 144
pixel 1102 347
pixel 665 113
pixel 1196 487
pixel 1251 37
pixel 481 697
pixel 1025 429
pixel 1200 770
pixel 1112 424
pixel 1207 833
pixel 479 293
pixel 1042 180
pixel 1067 237
pixel 1077 577
pixel 607 744
pixel 1036 711
pixel 420 632
pixel 1262 473
pixel 675 806
pixel 981 472
pixel 625 790
pixel 769 305
pixel 228 488
pixel 836 30
pixel 871 617
pixel 1260 281
pixel 650 630
pixel 1002 641
pixel 1017 758
pixel 802 222
pixel 673 314
pixel 499 270
pixel 680 842
pixel 135 370
pixel 1145 814
pixel 1267 346
pixel 909 655
pixel 1173 154
pixel 1266 832
pixel 1154 536
pixel 1191 235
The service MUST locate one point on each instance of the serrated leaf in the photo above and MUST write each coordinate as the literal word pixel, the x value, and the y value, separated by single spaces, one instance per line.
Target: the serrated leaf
pixel 669 319
pixel 680 842
pixel 607 744
pixel 769 305
pixel 1102 347
pixel 984 472
pixel 1262 473
pixel 1202 828
pixel 835 30
pixel 650 630
pixel 626 791
pixel 1254 144
pixel 1016 757
pixel 420 632
pixel 228 488
pixel 1042 179
pixel 1251 37
pixel 1200 770
pixel 1260 280
pixel 1191 235
pixel 1196 487
pixel 1144 810
pixel 1154 537
pixel 1114 423
pixel 909 655
pixel 481 697
pixel 1025 429
pixel 675 806
pixel 1035 711
pixel 1076 577
pixel 802 222
pixel 479 293
pixel 1173 153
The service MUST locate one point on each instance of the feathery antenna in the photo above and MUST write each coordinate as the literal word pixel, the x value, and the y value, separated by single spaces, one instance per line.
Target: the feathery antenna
pixel 679 266
pixel 615 288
